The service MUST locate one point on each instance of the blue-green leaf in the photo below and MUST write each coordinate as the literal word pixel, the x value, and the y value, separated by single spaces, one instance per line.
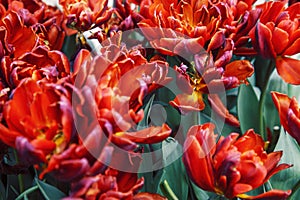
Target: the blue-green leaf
pixel 247 108
pixel 287 178
pixel 49 192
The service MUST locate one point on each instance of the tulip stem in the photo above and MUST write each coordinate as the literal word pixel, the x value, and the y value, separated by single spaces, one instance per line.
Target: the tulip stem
pixel 168 192
pixel 262 98
pixel 20 176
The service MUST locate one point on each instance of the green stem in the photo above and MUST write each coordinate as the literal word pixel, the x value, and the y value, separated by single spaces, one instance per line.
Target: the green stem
pixel 168 192
pixel 295 188
pixel 28 191
pixel 20 176
pixel 262 98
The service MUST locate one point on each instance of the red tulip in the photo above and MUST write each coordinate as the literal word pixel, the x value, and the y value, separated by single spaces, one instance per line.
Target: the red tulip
pixel 16 38
pixel 84 15
pixel 276 36
pixel 232 166
pixel 209 79
pixel 289 114
pixel 39 120
pixel 46 21
pixel 38 64
pixel 122 79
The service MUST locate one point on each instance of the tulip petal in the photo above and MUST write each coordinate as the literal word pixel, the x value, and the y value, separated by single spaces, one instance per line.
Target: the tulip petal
pixel 281 39
pixel 197 150
pixel 288 69
pixel 261 38
pixel 221 110
pixel 270 195
pixel 149 135
pixel 187 103
pixel 282 103
pixel 242 69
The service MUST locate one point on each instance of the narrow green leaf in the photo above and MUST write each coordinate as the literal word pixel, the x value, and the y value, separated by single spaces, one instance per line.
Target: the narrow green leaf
pixel 247 108
pixel 49 192
pixel 287 179
pixel 144 122
pixel 174 171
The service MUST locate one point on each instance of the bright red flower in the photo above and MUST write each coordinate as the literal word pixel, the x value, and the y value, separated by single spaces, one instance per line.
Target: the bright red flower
pixel 232 166
pixel 289 114
pixel 39 121
pixel 46 21
pixel 86 14
pixel 38 64
pixel 15 38
pixel 277 36
pixel 122 79
pixel 211 80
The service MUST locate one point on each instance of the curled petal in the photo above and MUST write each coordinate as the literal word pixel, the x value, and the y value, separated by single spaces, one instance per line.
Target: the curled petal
pixel 288 69
pixel 187 103
pixel 197 147
pixel 282 103
pixel 221 110
pixel 242 69
pixel 149 135
pixel 270 195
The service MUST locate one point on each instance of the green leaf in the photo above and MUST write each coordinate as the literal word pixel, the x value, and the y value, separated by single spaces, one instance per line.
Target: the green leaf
pixel 49 192
pixel 286 179
pixel 270 112
pixel 174 173
pixel 247 108
pixel 144 122
pixel 198 193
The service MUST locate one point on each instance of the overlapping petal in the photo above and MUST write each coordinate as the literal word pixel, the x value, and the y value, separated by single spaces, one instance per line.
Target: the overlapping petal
pixel 232 166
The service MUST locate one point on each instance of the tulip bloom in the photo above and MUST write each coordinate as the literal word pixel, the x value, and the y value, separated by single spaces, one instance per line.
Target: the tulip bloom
pixel 232 166
pixel 39 121
pixel 288 110
pixel 211 80
pixel 276 36
pixel 122 79
pixel 38 64
pixel 84 15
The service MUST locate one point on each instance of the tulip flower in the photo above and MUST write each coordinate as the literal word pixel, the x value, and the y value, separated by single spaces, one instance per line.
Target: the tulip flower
pixel 45 20
pixel 209 79
pixel 38 64
pixel 276 36
pixel 288 110
pixel 16 38
pixel 39 121
pixel 122 79
pixel 232 166
pixel 84 15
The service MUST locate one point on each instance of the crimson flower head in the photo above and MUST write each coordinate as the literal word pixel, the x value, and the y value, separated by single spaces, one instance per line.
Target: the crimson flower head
pixel 232 166
pixel 209 79
pixel 39 121
pixel 124 77
pixel 289 114
pixel 84 15
pixel 276 36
